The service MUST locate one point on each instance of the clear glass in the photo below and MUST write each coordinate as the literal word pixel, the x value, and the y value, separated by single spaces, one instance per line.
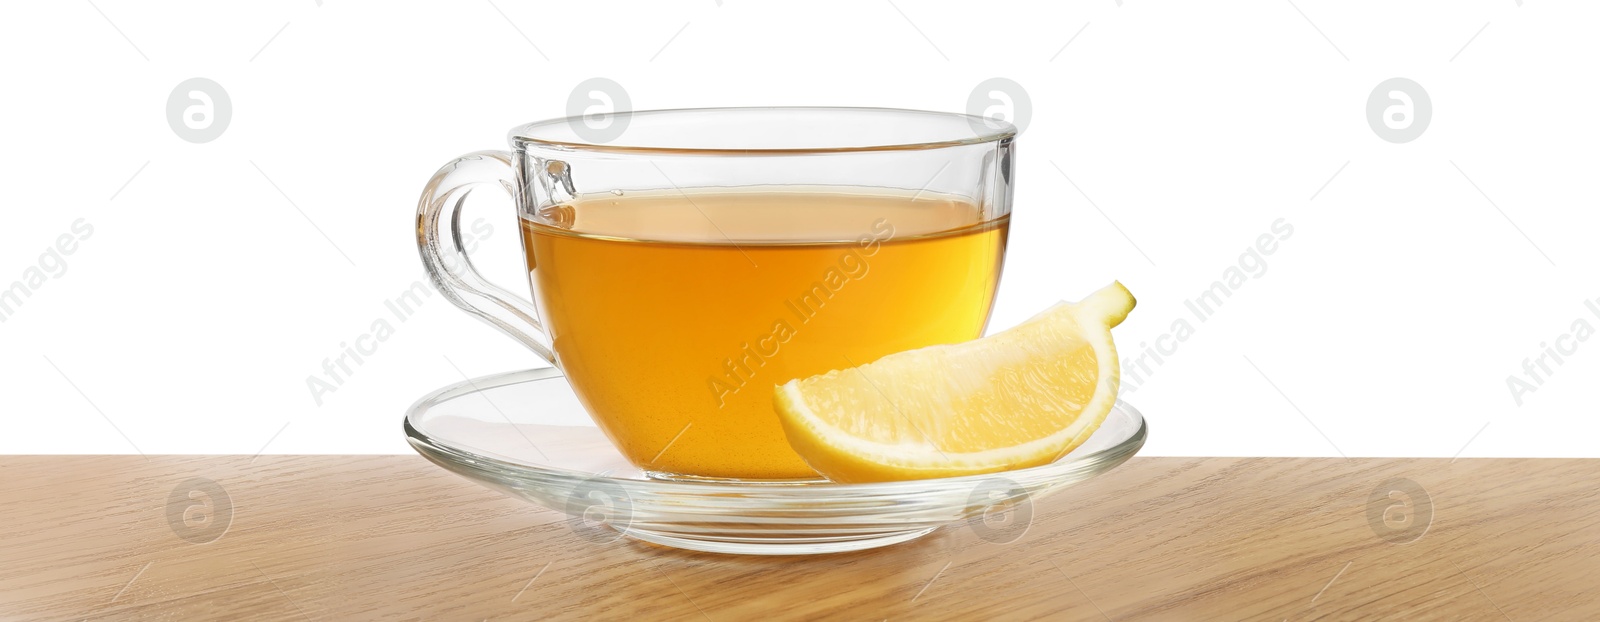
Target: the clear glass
pixel 683 262
pixel 525 434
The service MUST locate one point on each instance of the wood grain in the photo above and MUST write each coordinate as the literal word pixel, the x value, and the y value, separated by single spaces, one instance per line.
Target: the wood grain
pixel 360 537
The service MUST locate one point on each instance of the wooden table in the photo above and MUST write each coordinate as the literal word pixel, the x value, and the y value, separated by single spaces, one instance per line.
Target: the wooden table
pixel 359 537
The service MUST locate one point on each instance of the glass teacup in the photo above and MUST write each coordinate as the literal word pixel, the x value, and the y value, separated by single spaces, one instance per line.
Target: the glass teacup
pixel 685 262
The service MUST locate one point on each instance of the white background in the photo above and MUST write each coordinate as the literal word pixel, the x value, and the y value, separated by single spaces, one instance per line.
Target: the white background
pixel 1387 324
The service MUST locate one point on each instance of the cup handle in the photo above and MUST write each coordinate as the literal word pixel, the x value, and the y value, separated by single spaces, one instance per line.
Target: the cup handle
pixel 447 262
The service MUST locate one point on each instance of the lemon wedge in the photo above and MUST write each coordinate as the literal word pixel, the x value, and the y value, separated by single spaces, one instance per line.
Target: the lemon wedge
pixel 1016 399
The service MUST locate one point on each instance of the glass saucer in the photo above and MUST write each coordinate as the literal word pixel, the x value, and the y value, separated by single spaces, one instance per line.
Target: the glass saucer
pixel 525 434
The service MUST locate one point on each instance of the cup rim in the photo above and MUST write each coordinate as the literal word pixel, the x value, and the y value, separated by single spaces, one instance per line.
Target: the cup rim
pixel 982 130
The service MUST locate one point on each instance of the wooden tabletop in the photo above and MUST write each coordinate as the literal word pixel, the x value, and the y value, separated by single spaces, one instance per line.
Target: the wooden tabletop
pixel 360 537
